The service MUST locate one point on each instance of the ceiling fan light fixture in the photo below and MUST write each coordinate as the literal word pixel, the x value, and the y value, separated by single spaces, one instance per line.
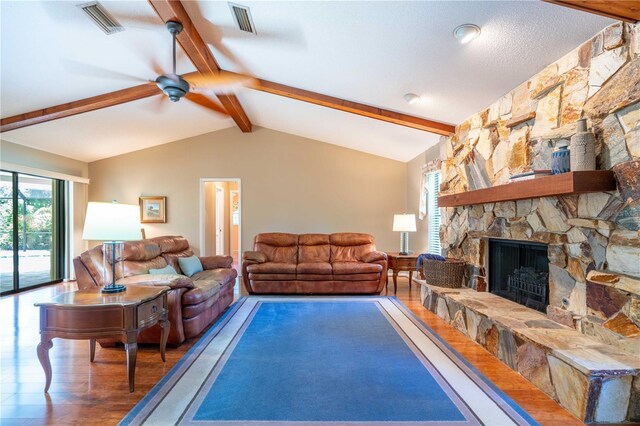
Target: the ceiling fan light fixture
pixel 466 32
pixel 412 98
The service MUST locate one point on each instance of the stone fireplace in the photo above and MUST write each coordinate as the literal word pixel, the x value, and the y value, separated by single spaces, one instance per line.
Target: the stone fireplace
pixel 519 271
pixel 583 342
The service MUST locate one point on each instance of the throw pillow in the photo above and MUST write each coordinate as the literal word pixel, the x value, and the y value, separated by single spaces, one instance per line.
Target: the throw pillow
pixel 190 265
pixel 166 270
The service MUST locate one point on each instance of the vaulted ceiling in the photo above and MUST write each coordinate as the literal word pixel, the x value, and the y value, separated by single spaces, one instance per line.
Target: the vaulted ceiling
pixel 371 53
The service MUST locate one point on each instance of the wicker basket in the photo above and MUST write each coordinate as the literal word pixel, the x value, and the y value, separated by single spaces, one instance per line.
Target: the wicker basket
pixel 444 274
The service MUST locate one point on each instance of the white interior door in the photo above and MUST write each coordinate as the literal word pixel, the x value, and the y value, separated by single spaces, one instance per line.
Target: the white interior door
pixel 220 220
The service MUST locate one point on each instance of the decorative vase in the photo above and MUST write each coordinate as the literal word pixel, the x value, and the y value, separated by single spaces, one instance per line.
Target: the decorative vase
pixel 583 148
pixel 560 159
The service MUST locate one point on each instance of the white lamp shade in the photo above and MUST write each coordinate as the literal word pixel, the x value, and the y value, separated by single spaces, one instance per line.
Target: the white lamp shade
pixel 404 222
pixel 112 222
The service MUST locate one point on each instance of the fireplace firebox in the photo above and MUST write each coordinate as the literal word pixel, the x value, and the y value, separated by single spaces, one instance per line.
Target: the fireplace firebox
pixel 519 271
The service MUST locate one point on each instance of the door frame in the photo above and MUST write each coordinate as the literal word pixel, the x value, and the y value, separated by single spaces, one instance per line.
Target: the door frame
pixel 203 250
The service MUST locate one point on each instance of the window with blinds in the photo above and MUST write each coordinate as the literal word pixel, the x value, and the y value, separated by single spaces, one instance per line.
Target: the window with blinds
pixel 433 212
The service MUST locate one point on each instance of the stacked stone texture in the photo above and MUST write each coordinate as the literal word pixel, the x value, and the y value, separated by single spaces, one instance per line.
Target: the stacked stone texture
pixel 589 236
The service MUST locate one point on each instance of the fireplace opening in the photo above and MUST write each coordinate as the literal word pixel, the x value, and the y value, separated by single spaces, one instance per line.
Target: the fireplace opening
pixel 519 271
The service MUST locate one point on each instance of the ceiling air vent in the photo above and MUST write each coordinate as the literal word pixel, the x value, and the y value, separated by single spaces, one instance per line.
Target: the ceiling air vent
pixel 242 16
pixel 101 17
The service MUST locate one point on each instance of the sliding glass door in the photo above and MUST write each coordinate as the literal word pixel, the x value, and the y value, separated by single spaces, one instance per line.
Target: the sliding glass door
pixel 31 231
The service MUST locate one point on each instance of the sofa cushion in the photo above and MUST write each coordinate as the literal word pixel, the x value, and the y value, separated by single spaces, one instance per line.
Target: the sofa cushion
pixel 213 262
pixel 351 239
pixel 190 265
pixel 271 277
pixel 128 268
pixel 313 248
pixel 278 247
pixel 172 258
pixel 347 268
pixel 169 280
pixel 139 250
pixel 272 268
pixel 223 276
pixel 357 277
pixel 171 244
pixel 166 270
pixel 350 247
pixel 204 289
pixel 314 268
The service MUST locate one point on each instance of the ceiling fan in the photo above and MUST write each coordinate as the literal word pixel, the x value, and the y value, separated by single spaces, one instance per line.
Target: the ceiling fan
pixel 176 86
pixel 173 85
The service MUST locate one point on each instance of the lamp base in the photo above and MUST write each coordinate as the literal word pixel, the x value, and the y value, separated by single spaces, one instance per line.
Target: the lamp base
pixel 114 288
pixel 404 243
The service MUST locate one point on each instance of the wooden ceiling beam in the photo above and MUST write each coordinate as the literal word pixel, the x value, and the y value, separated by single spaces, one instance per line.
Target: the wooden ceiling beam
pixel 78 107
pixel 199 54
pixel 622 10
pixel 353 107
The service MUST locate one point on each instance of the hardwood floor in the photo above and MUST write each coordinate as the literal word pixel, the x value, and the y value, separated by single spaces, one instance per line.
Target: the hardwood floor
pixel 98 393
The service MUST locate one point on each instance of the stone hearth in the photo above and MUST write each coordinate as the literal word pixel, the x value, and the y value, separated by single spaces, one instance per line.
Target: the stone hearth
pixel 592 380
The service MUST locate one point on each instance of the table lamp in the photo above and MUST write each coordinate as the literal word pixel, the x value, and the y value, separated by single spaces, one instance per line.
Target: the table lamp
pixel 112 223
pixel 404 223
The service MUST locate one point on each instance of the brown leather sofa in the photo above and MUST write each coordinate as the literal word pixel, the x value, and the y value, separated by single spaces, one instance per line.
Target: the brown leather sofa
pixel 344 263
pixel 194 302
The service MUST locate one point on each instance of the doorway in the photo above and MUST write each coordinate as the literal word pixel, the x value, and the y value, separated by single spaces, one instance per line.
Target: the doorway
pixel 220 218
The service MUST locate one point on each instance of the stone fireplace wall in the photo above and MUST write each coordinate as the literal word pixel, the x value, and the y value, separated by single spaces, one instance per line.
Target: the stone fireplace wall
pixel 594 242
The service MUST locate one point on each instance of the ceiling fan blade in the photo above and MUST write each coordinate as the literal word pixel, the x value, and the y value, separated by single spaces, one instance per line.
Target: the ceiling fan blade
pixel 160 104
pixel 205 102
pixel 218 82
pixel 81 68
pixel 155 66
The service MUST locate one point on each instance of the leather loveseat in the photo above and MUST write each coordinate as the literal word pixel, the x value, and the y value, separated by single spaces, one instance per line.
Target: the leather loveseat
pixel 343 263
pixel 194 302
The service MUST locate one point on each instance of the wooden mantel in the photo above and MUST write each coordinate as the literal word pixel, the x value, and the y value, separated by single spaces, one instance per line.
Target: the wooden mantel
pixel 548 186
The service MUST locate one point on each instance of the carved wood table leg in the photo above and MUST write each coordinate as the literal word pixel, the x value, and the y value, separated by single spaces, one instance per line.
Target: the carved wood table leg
pixel 132 354
pixel 166 326
pixel 410 277
pixel 43 355
pixel 92 349
pixel 395 281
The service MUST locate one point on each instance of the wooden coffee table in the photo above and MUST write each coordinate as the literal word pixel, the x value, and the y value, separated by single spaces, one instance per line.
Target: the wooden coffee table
pixel 401 262
pixel 91 314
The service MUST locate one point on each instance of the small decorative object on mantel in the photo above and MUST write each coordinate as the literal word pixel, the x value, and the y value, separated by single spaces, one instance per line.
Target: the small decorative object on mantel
pixel 560 159
pixel 153 209
pixel 583 148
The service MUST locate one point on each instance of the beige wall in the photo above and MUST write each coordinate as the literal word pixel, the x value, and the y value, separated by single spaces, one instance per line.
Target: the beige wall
pixel 21 155
pixel 418 241
pixel 288 183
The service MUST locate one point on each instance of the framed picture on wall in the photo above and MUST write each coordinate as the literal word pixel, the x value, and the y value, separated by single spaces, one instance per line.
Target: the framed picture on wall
pixel 153 209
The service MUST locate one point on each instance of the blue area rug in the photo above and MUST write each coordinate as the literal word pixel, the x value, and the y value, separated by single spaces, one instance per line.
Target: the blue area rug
pixel 298 360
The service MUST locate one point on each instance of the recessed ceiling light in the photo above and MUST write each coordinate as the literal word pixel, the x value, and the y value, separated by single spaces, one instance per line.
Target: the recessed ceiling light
pixel 466 32
pixel 412 98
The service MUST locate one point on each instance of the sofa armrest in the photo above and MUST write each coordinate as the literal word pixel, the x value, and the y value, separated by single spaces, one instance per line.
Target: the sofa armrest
pixel 214 262
pixel 168 280
pixel 254 256
pixel 374 256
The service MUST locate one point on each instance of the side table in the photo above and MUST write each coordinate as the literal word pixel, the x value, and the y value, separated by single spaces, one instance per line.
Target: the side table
pixel 401 262
pixel 94 315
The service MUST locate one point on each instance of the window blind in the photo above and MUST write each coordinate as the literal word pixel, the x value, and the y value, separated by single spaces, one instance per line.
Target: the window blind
pixel 433 215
